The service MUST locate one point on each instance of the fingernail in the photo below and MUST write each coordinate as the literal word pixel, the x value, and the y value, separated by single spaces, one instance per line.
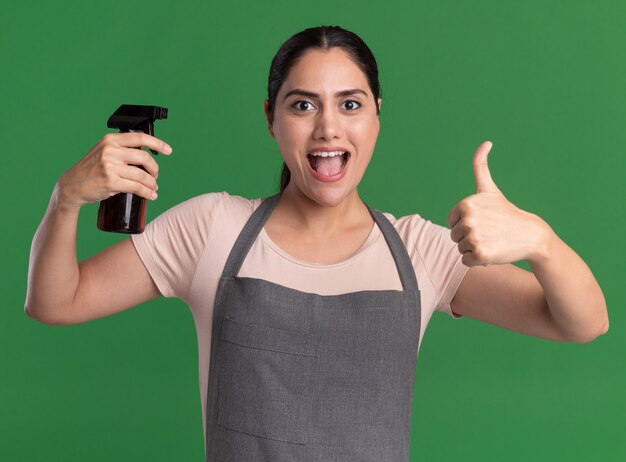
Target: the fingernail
pixel 167 149
pixel 154 195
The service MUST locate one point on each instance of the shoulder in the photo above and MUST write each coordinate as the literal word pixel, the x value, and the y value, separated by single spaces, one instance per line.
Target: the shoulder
pixel 415 230
pixel 217 212
pixel 431 248
pixel 210 204
pixel 233 208
pixel 427 242
pixel 196 217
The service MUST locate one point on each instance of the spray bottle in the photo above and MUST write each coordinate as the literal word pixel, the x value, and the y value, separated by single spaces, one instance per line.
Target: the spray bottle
pixel 126 212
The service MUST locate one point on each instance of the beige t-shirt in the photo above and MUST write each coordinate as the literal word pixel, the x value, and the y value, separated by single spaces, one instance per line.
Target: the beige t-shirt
pixel 185 250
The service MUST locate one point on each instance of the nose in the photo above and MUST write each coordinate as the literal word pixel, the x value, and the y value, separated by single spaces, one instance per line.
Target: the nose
pixel 327 125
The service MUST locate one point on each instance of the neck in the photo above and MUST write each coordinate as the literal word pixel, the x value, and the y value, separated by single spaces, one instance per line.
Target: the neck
pixel 301 212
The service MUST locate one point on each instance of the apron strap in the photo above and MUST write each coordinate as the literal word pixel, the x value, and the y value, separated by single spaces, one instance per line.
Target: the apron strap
pixel 254 225
pixel 248 235
pixel 398 251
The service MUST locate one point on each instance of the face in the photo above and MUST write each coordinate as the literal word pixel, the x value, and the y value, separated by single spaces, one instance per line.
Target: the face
pixel 325 124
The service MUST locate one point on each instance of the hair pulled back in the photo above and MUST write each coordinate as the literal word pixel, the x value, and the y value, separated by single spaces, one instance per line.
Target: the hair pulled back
pixel 324 38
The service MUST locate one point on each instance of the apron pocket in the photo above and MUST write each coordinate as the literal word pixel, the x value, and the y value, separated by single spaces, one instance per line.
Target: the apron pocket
pixel 265 381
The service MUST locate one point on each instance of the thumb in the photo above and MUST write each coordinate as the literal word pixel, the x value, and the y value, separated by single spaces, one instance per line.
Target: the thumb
pixel 484 182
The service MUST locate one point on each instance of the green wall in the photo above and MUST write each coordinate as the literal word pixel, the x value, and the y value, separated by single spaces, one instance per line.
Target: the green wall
pixel 543 80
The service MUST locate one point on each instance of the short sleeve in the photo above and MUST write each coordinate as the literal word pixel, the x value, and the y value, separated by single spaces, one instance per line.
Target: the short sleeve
pixel 171 244
pixel 443 263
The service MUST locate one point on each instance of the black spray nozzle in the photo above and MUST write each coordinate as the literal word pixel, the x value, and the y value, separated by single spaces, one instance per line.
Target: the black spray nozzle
pixel 134 118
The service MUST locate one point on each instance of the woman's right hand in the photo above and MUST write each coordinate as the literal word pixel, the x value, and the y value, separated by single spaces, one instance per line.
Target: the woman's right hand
pixel 110 168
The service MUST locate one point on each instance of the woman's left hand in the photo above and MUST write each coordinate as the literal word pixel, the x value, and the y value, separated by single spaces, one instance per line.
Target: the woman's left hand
pixel 491 230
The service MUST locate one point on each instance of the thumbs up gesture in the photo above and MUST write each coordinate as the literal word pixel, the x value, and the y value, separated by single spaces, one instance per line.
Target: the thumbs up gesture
pixel 488 228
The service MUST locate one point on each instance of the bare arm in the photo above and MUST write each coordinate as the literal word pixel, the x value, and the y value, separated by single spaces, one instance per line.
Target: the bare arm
pixel 53 269
pixel 575 300
pixel 564 306
pixel 560 300
pixel 61 291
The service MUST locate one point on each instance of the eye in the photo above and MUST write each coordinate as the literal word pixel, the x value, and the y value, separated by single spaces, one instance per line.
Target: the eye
pixel 302 105
pixel 351 105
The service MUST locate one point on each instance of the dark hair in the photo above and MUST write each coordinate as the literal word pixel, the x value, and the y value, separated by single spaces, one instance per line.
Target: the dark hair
pixel 325 38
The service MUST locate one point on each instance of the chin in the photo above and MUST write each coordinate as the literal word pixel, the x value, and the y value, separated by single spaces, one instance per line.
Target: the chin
pixel 330 198
pixel 323 195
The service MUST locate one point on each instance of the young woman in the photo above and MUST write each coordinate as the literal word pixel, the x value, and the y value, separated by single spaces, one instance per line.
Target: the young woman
pixel 310 306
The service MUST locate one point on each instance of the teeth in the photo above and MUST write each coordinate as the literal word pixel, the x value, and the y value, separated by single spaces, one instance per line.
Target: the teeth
pixel 327 154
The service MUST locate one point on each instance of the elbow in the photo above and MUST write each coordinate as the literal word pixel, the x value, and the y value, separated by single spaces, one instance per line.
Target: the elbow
pixel 29 311
pixel 592 335
pixel 29 307
pixel 45 319
pixel 605 328
pixel 605 324
pixel 32 313
pixel 599 327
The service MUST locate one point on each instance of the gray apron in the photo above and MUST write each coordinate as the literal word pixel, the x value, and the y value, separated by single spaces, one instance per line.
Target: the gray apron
pixel 297 376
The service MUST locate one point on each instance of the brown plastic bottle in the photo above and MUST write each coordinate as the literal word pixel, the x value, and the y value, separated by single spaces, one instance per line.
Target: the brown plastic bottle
pixel 123 213
pixel 126 212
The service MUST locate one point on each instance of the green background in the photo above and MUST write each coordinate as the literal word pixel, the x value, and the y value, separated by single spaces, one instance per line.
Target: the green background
pixel 543 80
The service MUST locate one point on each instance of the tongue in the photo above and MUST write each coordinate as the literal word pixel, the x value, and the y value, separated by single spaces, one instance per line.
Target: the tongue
pixel 329 166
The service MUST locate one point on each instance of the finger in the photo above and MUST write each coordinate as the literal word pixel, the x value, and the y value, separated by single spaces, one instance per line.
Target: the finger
pixel 454 216
pixel 484 182
pixel 130 186
pixel 457 233
pixel 140 157
pixel 465 246
pixel 468 259
pixel 138 140
pixel 128 172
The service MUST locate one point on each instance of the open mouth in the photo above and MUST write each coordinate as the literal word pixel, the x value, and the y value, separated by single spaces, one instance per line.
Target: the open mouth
pixel 328 163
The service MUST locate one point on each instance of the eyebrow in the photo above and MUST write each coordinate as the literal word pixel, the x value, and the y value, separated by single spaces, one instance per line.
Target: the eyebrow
pixel 342 93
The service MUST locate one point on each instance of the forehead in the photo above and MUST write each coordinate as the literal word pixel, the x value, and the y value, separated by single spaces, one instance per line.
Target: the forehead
pixel 325 71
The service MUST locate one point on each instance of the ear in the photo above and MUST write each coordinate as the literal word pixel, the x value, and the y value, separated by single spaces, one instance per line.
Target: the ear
pixel 267 117
pixel 380 102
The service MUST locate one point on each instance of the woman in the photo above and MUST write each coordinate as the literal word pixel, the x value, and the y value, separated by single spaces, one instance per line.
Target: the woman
pixel 309 305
